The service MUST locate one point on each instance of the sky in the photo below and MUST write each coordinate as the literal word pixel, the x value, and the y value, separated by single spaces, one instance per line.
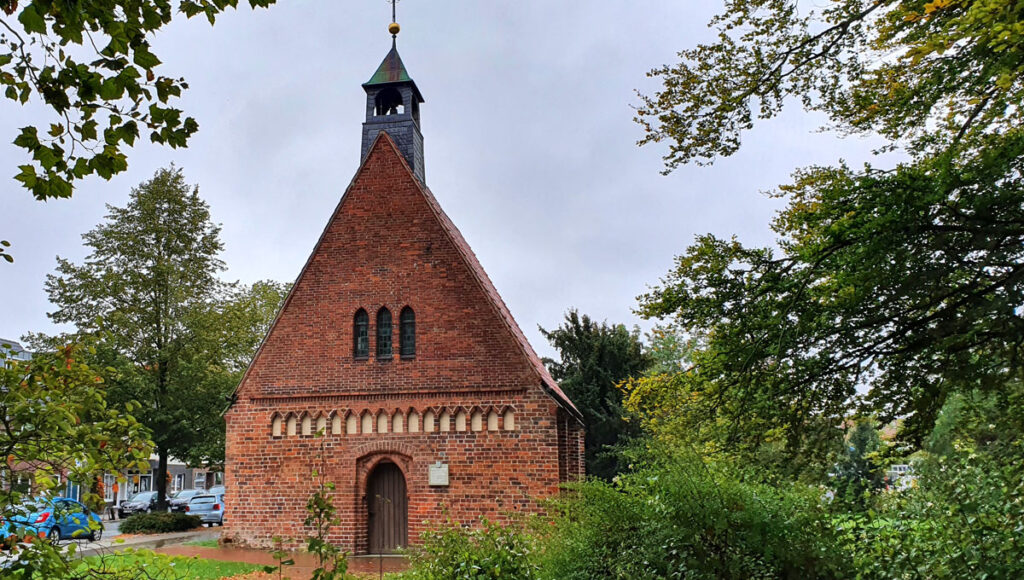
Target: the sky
pixel 529 138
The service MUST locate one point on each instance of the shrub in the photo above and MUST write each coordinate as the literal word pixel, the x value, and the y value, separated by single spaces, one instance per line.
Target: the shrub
pixel 159 523
pixel 679 517
pixel 489 552
pixel 964 520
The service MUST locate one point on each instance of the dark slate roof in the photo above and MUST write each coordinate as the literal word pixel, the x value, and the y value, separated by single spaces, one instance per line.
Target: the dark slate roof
pixel 392 70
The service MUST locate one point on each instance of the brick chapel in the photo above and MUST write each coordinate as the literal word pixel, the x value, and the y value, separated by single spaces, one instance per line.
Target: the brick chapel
pixel 395 346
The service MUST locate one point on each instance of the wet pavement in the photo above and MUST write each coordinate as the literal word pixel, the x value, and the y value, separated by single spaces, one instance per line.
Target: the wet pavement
pixel 369 566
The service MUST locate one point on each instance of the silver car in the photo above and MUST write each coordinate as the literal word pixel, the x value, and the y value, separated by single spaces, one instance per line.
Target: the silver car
pixel 209 508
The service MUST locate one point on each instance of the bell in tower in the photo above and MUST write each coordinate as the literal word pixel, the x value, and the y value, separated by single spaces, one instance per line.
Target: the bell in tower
pixel 393 106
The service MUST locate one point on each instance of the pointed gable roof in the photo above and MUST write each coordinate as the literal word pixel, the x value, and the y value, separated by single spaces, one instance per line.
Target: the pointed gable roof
pixel 384 145
pixel 492 294
pixel 391 71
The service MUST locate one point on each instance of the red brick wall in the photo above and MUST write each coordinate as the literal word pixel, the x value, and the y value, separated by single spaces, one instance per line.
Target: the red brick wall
pixel 385 246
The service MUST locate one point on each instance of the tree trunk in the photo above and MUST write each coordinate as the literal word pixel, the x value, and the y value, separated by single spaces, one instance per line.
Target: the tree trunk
pixel 161 480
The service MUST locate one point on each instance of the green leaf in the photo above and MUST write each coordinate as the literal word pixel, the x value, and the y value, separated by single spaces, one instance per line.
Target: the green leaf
pixel 32 20
pixel 111 89
pixel 28 138
pixel 45 156
pixel 144 58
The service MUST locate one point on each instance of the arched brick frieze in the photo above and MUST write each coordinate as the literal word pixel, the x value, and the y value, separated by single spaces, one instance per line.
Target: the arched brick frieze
pixel 476 419
pixel 452 418
pixel 508 419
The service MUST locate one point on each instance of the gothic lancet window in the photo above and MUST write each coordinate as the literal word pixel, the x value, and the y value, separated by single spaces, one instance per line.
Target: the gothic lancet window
pixel 384 333
pixel 361 334
pixel 407 333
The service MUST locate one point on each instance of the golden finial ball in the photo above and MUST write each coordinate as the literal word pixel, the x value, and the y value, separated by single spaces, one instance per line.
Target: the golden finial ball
pixel 393 28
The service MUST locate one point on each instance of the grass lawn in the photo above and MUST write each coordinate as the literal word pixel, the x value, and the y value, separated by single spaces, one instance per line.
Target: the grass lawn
pixel 159 567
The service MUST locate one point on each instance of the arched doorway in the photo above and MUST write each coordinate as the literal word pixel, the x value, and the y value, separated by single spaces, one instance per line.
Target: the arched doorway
pixel 387 509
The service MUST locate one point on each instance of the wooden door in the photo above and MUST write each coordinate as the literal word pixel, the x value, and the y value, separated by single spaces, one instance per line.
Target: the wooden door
pixel 388 509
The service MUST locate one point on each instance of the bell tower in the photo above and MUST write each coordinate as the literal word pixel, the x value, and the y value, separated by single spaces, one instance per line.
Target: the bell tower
pixel 393 106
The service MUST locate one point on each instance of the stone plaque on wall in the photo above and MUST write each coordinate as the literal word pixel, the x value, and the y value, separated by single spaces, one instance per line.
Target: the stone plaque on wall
pixel 438 474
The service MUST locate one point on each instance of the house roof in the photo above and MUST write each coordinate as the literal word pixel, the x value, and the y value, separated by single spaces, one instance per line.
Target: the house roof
pixel 14 349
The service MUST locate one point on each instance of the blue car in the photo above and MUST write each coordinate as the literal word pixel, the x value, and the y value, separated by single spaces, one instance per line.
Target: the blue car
pixel 55 519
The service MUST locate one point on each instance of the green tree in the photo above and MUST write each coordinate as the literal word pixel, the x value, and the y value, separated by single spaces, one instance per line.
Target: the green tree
pixel 150 276
pixel 670 349
pixel 54 419
pixel 856 472
pixel 594 359
pixel 224 334
pixel 92 65
pixel 904 282
pixel 931 74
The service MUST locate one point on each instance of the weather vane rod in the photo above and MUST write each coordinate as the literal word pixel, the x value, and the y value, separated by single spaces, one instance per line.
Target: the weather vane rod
pixel 393 28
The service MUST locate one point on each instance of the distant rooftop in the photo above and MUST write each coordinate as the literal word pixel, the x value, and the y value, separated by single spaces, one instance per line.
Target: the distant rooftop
pixel 12 349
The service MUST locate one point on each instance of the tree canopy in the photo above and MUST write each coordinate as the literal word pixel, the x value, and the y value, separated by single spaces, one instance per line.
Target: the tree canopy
pixel 174 335
pixel 593 359
pixel 55 423
pixel 930 74
pixel 889 288
pixel 92 65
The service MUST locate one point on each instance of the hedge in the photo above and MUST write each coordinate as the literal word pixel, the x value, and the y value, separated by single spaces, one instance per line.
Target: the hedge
pixel 159 523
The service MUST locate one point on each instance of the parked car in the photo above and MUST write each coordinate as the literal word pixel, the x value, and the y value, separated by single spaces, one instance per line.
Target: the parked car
pixel 179 500
pixel 143 502
pixel 209 508
pixel 216 490
pixel 56 519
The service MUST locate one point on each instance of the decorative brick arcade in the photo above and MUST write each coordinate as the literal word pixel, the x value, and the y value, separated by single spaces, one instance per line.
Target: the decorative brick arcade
pixel 396 348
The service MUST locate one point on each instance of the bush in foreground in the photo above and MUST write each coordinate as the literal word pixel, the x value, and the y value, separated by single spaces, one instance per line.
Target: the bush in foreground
pixel 159 523
pixel 680 517
pixel 677 517
pixel 492 551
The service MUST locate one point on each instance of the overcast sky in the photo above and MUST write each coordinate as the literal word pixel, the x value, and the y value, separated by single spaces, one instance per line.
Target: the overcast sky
pixel 529 142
